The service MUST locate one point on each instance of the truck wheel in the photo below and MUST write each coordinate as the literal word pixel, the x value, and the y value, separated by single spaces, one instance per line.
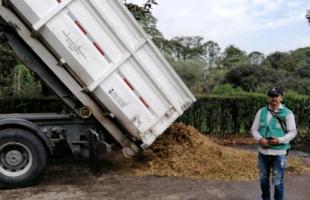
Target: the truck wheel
pixel 22 157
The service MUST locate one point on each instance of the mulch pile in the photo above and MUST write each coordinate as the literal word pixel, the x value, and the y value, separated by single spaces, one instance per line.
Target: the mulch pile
pixel 183 151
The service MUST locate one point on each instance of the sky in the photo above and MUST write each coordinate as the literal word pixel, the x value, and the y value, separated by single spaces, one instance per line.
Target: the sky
pixel 252 25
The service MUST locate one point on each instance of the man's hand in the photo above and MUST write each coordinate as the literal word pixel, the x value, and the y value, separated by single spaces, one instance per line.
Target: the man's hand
pixel 274 141
pixel 264 143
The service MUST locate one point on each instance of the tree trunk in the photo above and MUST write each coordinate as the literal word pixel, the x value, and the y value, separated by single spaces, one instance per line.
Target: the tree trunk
pixel 19 81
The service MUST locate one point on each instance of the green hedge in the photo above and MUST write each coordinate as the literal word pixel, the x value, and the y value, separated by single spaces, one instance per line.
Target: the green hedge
pixel 216 115
pixel 210 114
pixel 31 105
pixel 222 115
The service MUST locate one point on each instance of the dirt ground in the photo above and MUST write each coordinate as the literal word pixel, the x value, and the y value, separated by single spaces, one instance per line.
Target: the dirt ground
pixel 70 178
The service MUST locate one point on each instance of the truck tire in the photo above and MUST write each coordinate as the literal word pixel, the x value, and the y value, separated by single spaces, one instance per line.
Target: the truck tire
pixel 22 158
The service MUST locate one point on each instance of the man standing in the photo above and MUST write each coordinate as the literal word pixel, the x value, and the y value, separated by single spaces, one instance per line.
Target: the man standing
pixel 274 127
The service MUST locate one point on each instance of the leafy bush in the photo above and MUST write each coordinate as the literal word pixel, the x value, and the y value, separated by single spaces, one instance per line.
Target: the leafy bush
pixel 214 77
pixel 227 90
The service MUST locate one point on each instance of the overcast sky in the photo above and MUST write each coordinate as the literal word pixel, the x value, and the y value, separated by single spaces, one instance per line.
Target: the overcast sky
pixel 252 25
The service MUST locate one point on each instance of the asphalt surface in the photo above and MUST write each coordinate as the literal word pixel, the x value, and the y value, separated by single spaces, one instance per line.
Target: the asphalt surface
pixel 114 187
pixel 70 178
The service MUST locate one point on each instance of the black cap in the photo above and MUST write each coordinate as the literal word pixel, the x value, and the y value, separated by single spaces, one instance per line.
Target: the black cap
pixel 275 91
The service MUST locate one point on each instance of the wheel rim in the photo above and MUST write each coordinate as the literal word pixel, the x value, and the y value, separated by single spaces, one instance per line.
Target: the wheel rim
pixel 15 159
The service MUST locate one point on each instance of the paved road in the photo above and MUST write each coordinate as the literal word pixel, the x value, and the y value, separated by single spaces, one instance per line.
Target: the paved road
pixel 112 187
pixel 71 179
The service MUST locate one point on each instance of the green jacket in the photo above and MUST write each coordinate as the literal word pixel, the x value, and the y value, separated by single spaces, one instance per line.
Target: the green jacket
pixel 273 128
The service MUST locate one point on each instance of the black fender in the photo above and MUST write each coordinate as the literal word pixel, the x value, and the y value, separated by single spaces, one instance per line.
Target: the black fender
pixel 27 125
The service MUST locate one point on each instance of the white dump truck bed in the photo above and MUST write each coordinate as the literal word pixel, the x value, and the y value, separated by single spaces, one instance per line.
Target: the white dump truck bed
pixel 115 62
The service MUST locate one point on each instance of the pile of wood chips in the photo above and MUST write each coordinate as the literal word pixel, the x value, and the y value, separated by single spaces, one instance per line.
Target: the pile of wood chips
pixel 183 151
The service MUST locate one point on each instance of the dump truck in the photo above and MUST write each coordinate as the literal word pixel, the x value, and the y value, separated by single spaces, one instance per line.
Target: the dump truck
pixel 96 57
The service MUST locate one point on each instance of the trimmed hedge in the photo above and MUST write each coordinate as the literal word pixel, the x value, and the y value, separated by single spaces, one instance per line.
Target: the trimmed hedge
pixel 32 105
pixel 210 114
pixel 216 115
pixel 223 115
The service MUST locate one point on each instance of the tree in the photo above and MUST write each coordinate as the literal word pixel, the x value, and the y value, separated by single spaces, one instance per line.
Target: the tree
pixel 24 82
pixel 249 78
pixel 212 53
pixel 191 47
pixel 299 85
pixel 149 4
pixel 232 56
pixel 140 11
pixel 301 56
pixel 256 57
pixel 175 48
pixel 7 62
pixel 149 23
pixel 232 51
pixel 303 72
pixel 214 77
pixel 191 72
pixel 282 60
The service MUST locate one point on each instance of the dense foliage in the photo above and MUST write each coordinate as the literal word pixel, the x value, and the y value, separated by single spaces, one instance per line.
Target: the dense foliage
pixel 32 105
pixel 234 114
pixel 215 114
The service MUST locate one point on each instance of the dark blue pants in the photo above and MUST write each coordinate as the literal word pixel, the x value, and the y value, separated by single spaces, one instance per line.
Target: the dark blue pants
pixel 275 165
